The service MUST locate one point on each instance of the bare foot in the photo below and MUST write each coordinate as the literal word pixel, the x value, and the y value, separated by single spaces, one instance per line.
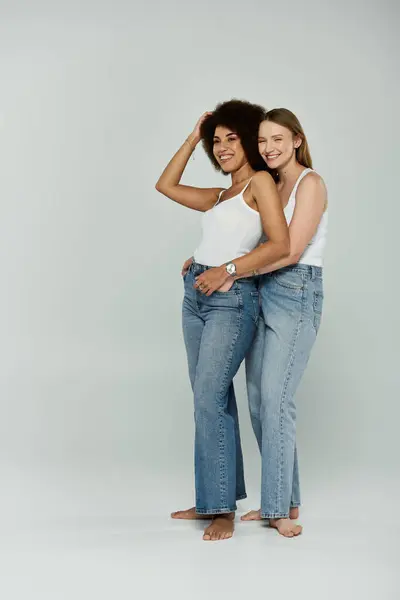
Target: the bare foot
pixel 255 515
pixel 221 528
pixel 190 515
pixel 286 527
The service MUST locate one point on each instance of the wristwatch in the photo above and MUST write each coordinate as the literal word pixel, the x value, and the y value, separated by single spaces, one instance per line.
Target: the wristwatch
pixel 230 269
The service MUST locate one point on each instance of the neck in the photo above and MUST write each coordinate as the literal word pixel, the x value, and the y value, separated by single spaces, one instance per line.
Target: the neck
pixel 242 174
pixel 291 171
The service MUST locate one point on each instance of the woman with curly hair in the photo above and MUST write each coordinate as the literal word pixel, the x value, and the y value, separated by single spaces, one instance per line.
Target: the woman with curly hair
pixel 291 294
pixel 219 325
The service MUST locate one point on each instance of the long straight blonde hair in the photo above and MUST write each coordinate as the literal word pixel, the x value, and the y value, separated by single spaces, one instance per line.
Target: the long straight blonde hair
pixel 285 118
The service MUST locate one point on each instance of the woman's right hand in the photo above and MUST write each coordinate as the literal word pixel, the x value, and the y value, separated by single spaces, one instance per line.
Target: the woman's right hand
pixel 195 136
pixel 186 266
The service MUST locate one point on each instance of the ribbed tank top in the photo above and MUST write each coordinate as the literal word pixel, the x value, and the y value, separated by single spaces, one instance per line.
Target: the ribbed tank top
pixel 229 230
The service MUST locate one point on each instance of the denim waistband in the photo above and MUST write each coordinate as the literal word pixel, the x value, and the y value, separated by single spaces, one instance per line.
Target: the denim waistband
pixel 197 269
pixel 311 270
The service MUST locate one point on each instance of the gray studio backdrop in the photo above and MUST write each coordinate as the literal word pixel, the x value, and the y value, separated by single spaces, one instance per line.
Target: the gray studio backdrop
pixel 94 99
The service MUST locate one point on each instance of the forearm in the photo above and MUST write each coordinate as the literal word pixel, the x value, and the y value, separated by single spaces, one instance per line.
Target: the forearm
pixel 173 172
pixel 264 256
pixel 279 264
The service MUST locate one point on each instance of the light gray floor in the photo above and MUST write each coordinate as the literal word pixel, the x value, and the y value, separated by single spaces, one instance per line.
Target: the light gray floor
pixel 90 534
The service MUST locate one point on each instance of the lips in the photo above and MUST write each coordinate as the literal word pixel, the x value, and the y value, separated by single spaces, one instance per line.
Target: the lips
pixel 225 157
pixel 272 156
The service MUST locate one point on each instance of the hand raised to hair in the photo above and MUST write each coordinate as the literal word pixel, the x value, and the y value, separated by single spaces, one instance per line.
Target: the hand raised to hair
pixel 195 136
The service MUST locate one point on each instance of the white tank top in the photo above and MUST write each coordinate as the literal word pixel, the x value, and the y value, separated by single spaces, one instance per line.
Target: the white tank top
pixel 313 254
pixel 230 229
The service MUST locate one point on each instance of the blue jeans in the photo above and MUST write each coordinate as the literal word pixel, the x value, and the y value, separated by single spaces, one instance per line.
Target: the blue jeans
pixel 291 301
pixel 218 331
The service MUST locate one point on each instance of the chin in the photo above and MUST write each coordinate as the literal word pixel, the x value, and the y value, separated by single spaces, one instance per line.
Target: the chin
pixel 281 163
pixel 275 165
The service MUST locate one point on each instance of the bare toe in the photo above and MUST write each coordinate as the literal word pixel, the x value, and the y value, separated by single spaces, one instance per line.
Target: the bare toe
pixel 221 528
pixel 297 530
pixel 286 527
pixel 207 534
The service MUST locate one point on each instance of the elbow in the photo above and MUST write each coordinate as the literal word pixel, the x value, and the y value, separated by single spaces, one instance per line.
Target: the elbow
pixel 163 188
pixel 293 257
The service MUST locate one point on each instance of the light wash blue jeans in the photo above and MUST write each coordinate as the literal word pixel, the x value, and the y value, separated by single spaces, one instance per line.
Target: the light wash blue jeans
pixel 291 301
pixel 218 332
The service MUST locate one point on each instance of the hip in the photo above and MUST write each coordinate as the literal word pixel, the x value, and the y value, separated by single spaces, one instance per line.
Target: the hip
pixel 294 293
pixel 242 296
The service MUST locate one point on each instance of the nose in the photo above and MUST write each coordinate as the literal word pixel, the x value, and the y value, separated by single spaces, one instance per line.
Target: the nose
pixel 268 147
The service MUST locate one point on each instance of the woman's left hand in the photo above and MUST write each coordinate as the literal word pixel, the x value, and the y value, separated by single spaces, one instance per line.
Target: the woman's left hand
pixel 211 280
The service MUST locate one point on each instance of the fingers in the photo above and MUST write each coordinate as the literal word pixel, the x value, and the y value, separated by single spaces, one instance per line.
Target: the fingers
pixel 204 288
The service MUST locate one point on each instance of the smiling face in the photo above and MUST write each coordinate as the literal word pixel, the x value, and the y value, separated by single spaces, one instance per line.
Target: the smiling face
pixel 277 144
pixel 228 150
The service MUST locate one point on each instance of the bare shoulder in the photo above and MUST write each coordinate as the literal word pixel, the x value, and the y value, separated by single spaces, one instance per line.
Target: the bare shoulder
pixel 312 182
pixel 312 189
pixel 218 191
pixel 262 179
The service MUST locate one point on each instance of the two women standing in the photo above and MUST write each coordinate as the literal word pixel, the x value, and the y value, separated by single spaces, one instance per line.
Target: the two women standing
pixel 264 153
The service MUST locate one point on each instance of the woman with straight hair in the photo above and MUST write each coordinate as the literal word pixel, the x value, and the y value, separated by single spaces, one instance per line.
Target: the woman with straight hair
pixel 219 328
pixel 291 294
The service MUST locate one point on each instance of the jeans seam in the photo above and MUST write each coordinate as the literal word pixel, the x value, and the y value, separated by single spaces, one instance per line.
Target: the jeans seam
pixel 222 470
pixel 255 298
pixel 241 497
pixel 316 314
pixel 283 397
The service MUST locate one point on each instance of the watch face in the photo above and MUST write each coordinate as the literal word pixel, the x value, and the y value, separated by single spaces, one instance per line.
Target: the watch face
pixel 231 268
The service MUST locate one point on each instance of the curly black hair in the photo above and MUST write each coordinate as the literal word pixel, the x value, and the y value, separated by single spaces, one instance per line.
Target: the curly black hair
pixel 244 119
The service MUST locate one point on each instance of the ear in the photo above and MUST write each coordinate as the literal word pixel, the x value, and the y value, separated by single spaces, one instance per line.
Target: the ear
pixel 297 141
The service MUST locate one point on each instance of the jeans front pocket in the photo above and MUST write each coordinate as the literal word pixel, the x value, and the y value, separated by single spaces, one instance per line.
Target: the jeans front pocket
pixel 232 290
pixel 289 279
